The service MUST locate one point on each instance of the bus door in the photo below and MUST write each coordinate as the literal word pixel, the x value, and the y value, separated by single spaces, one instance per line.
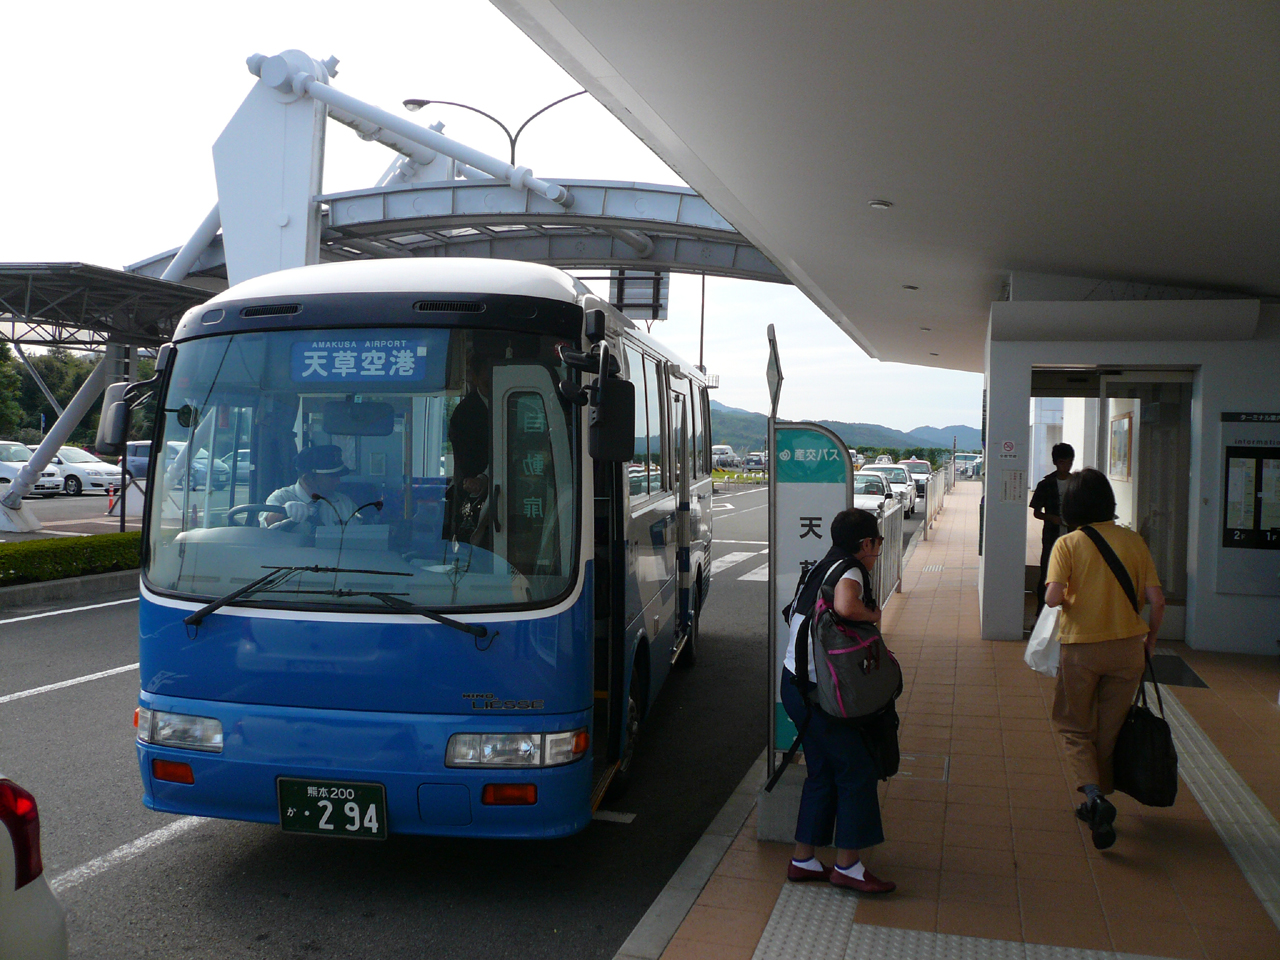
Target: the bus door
pixel 682 461
pixel 526 521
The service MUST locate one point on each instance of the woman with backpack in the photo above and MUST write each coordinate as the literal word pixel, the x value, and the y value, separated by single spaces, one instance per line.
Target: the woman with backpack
pixel 1104 641
pixel 839 799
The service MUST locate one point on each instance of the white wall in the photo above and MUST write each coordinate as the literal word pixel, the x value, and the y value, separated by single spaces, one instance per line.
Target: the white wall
pixel 1080 429
pixel 1231 375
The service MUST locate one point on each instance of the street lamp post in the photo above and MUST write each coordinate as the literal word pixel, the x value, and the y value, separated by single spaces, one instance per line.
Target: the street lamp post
pixel 414 105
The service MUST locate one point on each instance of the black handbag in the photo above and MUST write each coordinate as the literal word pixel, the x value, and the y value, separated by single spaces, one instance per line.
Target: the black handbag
pixel 1145 763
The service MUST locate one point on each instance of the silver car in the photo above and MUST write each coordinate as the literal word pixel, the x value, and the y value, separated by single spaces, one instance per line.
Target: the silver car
pixel 904 488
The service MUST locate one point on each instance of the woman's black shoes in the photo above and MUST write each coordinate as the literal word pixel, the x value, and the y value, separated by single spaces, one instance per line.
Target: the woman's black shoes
pixel 1100 815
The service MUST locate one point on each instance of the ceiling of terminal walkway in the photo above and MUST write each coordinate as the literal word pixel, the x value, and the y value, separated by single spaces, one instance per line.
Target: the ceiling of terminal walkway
pixel 1103 139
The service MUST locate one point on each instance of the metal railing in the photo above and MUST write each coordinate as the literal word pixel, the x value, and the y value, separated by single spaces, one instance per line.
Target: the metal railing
pixel 940 484
pixel 888 569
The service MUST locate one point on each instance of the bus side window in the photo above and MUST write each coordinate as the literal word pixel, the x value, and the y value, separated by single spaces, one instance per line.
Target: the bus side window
pixel 638 468
pixel 653 395
pixel 695 428
pixel 704 430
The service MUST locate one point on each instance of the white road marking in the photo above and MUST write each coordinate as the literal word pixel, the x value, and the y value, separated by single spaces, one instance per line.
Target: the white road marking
pixel 759 573
pixel 68 683
pixel 722 506
pixel 749 509
pixel 728 560
pixel 57 613
pixel 119 855
pixel 755 543
pixel 612 816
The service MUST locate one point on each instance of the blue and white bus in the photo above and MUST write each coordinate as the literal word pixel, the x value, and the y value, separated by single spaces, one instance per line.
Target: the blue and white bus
pixel 448 578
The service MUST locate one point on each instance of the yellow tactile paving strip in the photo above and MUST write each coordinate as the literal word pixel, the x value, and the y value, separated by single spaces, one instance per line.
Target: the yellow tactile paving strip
pixel 995 851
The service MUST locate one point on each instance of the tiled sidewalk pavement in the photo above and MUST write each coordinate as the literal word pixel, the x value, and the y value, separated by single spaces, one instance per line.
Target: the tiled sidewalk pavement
pixel 994 851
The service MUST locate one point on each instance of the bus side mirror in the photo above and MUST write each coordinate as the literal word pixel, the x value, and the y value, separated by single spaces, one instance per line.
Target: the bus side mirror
pixel 113 425
pixel 612 422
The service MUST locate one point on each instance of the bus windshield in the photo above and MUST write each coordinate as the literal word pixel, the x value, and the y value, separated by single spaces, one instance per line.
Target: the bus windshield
pixel 430 466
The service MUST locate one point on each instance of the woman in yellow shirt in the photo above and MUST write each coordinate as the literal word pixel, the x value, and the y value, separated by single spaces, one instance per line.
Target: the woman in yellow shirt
pixel 1103 640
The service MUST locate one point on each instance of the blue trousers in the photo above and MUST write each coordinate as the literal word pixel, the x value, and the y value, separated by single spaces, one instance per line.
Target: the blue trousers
pixel 839 795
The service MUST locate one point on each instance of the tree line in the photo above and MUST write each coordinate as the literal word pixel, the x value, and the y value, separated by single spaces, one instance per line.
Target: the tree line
pixel 23 403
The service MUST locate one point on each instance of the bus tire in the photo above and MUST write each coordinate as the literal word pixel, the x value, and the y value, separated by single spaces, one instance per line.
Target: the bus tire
pixel 689 652
pixel 623 776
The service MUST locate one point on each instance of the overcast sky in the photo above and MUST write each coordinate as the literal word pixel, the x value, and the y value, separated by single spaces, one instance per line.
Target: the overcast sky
pixel 112 110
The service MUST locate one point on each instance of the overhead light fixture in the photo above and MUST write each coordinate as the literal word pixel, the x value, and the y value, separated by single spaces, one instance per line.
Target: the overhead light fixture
pixel 909 286
pixel 933 354
pixel 927 329
pixel 879 204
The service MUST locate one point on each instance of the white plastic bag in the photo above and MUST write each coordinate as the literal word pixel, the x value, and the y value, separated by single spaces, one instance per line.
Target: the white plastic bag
pixel 1042 648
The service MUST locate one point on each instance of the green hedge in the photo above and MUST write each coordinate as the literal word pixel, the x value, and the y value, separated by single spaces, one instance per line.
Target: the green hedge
pixel 32 561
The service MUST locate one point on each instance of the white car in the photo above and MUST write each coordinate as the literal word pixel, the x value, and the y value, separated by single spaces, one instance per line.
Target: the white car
pixel 33 924
pixel 83 471
pixel 13 456
pixel 921 471
pixel 904 488
pixel 871 492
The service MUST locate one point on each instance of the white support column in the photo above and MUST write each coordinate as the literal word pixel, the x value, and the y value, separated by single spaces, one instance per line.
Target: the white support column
pixel 186 258
pixel 14 516
pixel 268 164
pixel 1004 550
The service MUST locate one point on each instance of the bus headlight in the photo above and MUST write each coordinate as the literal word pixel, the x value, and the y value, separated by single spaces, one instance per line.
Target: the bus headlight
pixel 516 749
pixel 179 730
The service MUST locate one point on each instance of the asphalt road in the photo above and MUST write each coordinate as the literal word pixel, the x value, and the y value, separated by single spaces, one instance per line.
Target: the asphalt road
pixel 65 515
pixel 219 889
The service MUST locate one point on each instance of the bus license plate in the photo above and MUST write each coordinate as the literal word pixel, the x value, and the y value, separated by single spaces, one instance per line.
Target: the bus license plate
pixel 333 808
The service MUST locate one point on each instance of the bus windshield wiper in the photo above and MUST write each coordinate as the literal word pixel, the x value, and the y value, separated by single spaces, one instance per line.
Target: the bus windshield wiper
pixel 404 606
pixel 270 580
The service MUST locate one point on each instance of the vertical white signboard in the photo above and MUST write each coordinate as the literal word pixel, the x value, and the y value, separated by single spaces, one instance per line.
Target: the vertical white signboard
pixel 810 481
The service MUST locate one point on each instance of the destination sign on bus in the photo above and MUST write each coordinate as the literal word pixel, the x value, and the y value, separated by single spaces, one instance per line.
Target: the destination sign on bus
pixel 364 359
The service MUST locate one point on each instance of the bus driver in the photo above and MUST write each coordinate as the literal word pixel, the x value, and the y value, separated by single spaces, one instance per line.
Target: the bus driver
pixel 315 498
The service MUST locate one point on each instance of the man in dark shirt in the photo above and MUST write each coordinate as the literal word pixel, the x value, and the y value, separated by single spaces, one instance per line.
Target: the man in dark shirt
pixel 1046 503
pixel 469 435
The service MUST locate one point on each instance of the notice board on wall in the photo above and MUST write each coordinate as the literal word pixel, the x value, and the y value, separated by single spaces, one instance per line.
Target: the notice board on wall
pixel 1249 551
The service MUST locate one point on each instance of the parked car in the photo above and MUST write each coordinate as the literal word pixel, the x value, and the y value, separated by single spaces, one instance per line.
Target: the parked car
pixel 920 471
pixel 13 456
pixel 244 465
pixel 755 463
pixel 32 922
pixel 900 481
pixel 83 471
pixel 870 492
pixel 723 457
pixel 138 453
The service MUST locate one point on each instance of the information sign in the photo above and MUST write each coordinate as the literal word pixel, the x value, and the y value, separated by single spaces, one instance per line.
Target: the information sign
pixel 1249 558
pixel 810 480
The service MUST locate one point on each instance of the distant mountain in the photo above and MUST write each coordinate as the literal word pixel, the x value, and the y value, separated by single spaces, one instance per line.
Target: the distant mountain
pixel 967 438
pixel 745 431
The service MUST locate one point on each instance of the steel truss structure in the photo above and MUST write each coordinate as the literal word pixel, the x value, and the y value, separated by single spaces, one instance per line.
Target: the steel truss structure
pixel 82 306
pixel 610 225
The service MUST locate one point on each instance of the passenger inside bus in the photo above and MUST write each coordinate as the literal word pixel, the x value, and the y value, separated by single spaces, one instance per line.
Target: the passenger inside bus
pixel 466 518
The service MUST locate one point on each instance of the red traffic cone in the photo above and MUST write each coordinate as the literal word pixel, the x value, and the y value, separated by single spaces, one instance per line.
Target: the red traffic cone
pixel 111 497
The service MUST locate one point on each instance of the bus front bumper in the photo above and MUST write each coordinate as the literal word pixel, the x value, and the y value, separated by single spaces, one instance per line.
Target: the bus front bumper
pixel 403 752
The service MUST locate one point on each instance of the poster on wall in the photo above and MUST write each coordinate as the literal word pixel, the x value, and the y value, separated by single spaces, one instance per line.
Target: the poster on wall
pixel 1119 460
pixel 1249 561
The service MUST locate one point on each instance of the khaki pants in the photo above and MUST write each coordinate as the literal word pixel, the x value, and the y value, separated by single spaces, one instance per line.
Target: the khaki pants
pixel 1096 684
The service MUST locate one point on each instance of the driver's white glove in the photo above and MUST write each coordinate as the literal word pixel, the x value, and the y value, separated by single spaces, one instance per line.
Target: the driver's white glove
pixel 297 511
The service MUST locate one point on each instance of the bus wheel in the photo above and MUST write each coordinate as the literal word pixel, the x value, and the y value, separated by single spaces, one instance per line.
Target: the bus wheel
pixel 689 652
pixel 622 777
